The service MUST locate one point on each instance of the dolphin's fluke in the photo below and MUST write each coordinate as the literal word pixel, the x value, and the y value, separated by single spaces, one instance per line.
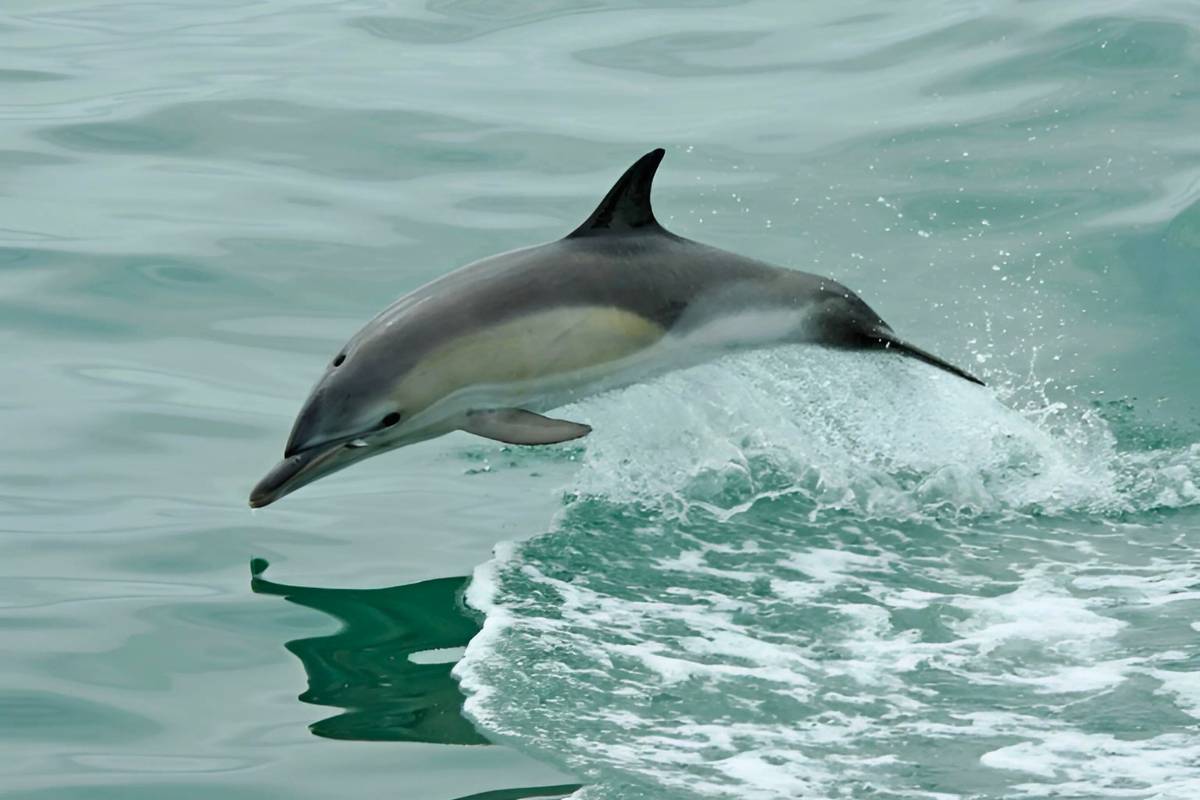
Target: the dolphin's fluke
pixel 626 207
pixel 889 341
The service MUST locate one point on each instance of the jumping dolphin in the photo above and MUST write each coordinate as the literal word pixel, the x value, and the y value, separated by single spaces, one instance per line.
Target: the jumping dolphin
pixel 487 347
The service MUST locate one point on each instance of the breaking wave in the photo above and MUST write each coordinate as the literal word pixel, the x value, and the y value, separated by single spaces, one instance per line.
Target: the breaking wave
pixel 823 574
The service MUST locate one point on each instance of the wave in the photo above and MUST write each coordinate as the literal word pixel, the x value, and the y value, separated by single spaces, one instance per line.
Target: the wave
pixel 823 574
pixel 871 435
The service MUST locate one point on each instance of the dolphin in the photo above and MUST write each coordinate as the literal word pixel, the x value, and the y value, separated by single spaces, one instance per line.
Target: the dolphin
pixel 488 347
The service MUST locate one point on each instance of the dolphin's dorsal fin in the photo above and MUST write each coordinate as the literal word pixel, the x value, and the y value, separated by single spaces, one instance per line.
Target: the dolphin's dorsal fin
pixel 626 207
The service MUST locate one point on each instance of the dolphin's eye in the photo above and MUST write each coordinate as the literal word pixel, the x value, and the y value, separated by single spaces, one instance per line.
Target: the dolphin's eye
pixel 337 362
pixel 391 419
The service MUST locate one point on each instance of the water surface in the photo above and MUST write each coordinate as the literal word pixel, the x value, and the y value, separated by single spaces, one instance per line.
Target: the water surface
pixel 790 574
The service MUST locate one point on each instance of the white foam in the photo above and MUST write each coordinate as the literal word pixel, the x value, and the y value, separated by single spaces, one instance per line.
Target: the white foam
pixel 1077 764
pixel 1183 686
pixel 810 573
pixel 867 432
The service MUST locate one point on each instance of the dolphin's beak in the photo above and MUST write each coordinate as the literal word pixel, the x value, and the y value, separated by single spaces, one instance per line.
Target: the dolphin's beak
pixel 297 470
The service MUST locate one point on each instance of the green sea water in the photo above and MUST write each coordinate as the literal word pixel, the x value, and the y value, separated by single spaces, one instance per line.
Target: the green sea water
pixel 795 573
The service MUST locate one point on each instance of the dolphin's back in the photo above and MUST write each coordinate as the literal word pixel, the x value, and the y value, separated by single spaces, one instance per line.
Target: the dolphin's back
pixel 654 276
pixel 619 265
pixel 617 284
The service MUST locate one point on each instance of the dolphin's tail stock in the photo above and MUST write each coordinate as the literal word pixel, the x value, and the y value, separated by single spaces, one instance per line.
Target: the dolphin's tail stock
pixel 889 341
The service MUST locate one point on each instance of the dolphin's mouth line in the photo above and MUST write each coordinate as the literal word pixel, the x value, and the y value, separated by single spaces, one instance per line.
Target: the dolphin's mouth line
pixel 332 444
pixel 297 469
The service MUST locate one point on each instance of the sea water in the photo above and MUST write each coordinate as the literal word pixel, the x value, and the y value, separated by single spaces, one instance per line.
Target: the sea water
pixel 793 573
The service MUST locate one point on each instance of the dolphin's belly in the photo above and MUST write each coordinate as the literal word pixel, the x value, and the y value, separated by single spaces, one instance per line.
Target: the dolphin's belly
pixel 547 352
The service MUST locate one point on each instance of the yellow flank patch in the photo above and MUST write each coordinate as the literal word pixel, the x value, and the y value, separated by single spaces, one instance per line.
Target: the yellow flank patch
pixel 527 348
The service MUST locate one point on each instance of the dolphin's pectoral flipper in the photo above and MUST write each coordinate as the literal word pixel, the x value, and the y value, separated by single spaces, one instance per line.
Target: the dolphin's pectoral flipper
pixel 518 426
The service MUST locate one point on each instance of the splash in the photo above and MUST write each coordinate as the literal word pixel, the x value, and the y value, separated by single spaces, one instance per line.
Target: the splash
pixel 867 434
pixel 810 573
